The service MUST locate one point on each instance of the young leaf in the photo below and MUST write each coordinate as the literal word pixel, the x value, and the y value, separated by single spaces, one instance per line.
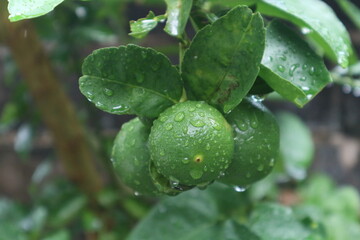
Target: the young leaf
pixel 141 27
pixel 290 67
pixel 130 80
pixel 178 12
pixel 318 20
pixel 24 9
pixel 275 222
pixel 296 145
pixel 223 60
pixel 191 215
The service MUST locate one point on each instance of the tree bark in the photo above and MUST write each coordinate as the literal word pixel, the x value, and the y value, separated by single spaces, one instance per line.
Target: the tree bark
pixel 57 111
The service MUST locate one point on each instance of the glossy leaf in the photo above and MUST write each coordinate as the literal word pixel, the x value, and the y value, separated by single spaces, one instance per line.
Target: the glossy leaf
pixel 24 9
pixel 141 27
pixel 290 67
pixel 317 20
pixel 223 60
pixel 130 80
pixel 296 145
pixel 177 12
pixel 193 215
pixel 275 222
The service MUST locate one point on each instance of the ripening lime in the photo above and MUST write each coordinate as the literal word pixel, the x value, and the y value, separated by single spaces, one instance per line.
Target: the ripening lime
pixel 256 143
pixel 191 143
pixel 131 157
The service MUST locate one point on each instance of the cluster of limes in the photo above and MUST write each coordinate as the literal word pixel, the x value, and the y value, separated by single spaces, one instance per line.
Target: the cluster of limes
pixel 192 144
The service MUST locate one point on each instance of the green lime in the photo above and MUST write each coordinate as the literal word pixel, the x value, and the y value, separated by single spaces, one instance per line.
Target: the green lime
pixel 191 143
pixel 131 157
pixel 256 143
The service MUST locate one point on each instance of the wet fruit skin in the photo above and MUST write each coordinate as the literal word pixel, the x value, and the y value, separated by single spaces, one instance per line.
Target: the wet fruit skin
pixel 257 142
pixel 191 143
pixel 131 157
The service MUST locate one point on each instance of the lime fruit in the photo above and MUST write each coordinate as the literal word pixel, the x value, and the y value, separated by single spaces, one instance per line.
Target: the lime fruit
pixel 191 143
pixel 257 142
pixel 131 157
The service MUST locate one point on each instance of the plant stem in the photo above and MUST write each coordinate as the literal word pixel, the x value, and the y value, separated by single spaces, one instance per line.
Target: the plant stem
pixel 58 112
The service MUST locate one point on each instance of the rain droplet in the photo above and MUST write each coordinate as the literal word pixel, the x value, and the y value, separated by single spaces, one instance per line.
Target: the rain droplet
pixel 312 71
pixel 191 109
pixel 260 168
pixel 272 162
pixel 207 146
pixel 185 160
pixel 163 118
pixel 303 79
pixel 179 117
pixel 281 68
pixel 240 189
pixel 162 153
pixel 197 123
pixel 248 175
pixel 282 57
pixel 168 126
pixel 137 194
pixel 184 129
pixel 196 173
pixel 292 69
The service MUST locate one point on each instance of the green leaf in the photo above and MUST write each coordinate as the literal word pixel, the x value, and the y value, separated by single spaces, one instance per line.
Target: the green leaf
pixel 296 145
pixel 318 20
pixel 177 12
pixel 141 27
pixel 24 9
pixel 352 11
pixel 290 66
pixel 192 215
pixel 130 80
pixel 229 230
pixel 275 222
pixel 223 60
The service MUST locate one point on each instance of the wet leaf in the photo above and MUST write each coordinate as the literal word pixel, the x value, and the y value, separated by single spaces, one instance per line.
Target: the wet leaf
pixel 141 27
pixel 290 67
pixel 178 12
pixel 130 80
pixel 223 60
pixel 318 21
pixel 275 222
pixel 190 215
pixel 24 9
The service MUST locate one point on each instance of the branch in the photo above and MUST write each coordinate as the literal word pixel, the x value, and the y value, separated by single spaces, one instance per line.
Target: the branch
pixel 58 113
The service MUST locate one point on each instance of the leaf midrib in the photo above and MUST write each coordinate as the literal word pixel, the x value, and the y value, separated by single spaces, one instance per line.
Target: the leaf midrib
pixel 233 56
pixel 133 86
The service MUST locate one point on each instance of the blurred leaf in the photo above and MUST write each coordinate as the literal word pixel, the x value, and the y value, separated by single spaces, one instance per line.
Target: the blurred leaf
pixel 340 228
pixel 35 222
pixel 119 81
pixel 275 222
pixel 68 211
pixel 141 27
pixel 62 234
pixel 10 215
pixel 317 189
pixel 223 59
pixel 296 145
pixel 91 222
pixel 290 66
pixel 352 11
pixel 24 9
pixel 41 171
pixel 317 20
pixel 177 12
pixel 9 115
pixel 194 215
pixel 24 140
